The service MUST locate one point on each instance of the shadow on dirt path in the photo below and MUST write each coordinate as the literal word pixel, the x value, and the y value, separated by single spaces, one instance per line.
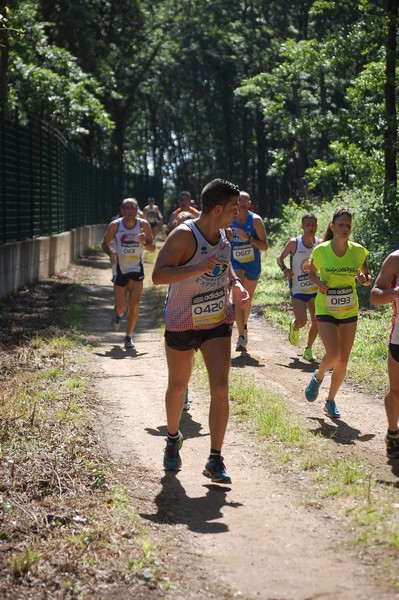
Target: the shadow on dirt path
pixel 256 538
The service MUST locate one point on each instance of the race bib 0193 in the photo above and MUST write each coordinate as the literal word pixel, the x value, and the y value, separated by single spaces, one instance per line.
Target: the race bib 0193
pixel 340 299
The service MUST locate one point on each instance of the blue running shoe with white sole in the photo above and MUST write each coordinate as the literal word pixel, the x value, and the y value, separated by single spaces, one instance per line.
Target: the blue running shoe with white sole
pixel 312 389
pixel 216 471
pixel 171 459
pixel 128 342
pixel 332 409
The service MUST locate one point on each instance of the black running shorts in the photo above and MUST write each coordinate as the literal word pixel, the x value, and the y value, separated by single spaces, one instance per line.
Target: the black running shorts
pixel 193 339
pixel 122 279
pixel 394 350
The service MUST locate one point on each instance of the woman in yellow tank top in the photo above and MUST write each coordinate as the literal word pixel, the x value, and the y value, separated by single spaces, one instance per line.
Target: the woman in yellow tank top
pixel 336 264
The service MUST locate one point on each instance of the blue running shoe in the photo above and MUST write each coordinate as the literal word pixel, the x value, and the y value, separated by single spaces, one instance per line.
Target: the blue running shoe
pixel 216 471
pixel 186 404
pixel 332 409
pixel 129 342
pixel 171 459
pixel 312 389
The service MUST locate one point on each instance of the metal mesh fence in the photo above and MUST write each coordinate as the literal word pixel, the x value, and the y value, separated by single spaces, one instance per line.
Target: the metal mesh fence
pixel 47 188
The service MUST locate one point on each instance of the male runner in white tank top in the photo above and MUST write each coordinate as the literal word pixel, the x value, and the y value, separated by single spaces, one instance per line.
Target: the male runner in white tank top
pixel 386 289
pixel 195 262
pixel 129 235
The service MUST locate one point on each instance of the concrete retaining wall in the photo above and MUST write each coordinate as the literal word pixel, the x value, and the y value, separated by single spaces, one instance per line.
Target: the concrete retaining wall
pixel 23 263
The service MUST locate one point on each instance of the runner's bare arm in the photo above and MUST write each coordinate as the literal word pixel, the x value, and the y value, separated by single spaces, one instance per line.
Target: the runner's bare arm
pixel 363 275
pixel 146 237
pixel 260 242
pixel 383 292
pixel 314 278
pixel 288 250
pixel 107 240
pixel 239 292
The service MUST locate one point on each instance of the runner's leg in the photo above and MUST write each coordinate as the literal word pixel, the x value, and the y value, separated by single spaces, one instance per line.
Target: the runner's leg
pixel 329 336
pixel 313 329
pixel 135 289
pixel 346 336
pixel 217 353
pixel 120 298
pixel 241 314
pixel 180 364
pixel 392 396
pixel 299 309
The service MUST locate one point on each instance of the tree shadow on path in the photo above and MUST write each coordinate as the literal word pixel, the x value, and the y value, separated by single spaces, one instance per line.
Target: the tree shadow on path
pixel 199 514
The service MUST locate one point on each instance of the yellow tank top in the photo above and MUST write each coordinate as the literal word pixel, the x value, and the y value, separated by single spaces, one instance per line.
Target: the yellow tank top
pixel 341 300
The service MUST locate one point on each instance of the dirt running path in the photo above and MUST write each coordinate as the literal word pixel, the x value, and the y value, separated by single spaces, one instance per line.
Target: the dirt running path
pixel 257 538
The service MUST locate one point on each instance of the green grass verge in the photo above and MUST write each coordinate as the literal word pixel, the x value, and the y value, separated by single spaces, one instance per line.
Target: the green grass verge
pixel 368 509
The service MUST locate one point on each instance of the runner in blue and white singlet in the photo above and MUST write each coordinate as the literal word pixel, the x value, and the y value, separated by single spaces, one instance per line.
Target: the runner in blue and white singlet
pixel 128 246
pixel 299 264
pixel 249 239
pixel 302 290
pixel 124 241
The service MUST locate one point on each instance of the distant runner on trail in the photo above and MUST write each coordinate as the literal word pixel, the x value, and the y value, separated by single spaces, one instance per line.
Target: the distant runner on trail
pixel 386 289
pixel 129 235
pixel 153 215
pixel 185 205
pixel 336 265
pixel 195 262
pixel 302 290
pixel 249 238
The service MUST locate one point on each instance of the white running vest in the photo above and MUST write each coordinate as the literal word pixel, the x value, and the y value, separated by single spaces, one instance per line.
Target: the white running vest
pixel 300 264
pixel 201 301
pixel 394 337
pixel 128 247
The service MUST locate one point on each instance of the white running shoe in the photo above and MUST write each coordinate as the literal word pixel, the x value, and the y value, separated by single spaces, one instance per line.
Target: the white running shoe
pixel 241 344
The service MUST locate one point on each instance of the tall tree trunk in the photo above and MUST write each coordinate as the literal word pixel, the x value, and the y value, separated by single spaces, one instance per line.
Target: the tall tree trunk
pixel 261 164
pixel 4 60
pixel 390 136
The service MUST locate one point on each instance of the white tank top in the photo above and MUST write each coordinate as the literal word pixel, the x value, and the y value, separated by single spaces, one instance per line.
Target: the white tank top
pixel 394 337
pixel 128 247
pixel 300 264
pixel 201 301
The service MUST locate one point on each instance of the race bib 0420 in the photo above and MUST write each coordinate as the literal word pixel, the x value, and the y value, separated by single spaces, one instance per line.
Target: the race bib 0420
pixel 208 308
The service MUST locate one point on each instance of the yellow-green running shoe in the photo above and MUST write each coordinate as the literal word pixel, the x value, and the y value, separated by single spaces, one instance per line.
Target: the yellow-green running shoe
pixel 308 354
pixel 294 334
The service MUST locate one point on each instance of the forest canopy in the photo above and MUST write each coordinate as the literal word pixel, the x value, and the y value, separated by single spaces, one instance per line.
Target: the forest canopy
pixel 293 101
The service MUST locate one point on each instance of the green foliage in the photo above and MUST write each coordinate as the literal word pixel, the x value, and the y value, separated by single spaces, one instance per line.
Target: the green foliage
pixel 46 80
pixel 289 104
